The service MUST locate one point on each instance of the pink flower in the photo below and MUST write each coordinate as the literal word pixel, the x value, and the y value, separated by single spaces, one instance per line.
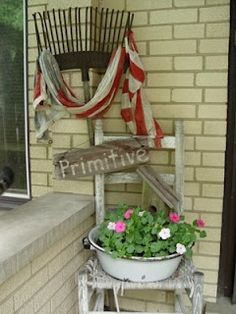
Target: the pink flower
pixel 174 217
pixel 120 226
pixel 200 223
pixel 128 213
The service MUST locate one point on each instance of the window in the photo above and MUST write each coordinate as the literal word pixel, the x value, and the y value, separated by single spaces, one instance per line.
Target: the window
pixel 13 97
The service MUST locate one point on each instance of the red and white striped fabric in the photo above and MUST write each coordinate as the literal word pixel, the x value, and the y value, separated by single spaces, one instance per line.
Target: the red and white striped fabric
pixel 53 98
pixel 136 110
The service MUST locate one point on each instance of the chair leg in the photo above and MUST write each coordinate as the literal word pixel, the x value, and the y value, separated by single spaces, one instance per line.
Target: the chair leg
pixel 197 300
pixel 83 293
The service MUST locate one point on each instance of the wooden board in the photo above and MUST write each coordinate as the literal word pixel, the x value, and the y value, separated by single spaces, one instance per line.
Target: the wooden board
pixel 158 186
pixel 103 158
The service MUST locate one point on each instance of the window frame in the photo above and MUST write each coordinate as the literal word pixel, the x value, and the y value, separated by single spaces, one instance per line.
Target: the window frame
pixel 10 199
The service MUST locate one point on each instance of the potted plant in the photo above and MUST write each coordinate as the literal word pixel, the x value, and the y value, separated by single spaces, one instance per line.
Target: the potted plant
pixel 145 246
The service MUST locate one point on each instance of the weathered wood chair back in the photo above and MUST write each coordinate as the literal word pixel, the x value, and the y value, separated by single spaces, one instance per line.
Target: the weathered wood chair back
pixel 167 187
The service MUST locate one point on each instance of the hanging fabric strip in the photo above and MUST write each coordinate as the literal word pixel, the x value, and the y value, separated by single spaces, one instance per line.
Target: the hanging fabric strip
pixel 53 98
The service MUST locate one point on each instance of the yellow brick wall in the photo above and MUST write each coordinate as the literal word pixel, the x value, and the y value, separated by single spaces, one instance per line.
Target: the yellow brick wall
pixel 184 48
pixel 48 284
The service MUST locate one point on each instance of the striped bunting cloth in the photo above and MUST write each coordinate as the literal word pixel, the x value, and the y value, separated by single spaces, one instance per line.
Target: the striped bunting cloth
pixel 53 98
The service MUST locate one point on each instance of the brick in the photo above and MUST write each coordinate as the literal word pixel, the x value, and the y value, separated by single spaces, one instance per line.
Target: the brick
pixel 156 308
pixel 216 95
pixel 214 14
pixel 189 173
pixel 45 294
pixel 213 2
pixel 189 31
pixel 173 47
pixel 45 309
pixel 211 276
pixel 210 174
pixel 136 188
pixel 71 126
pixel 148 5
pixel 128 198
pixel 188 63
pixel 213 46
pixel 188 203
pixel 114 125
pixel 157 63
pixel 43 259
pixel 173 16
pixel 132 305
pixel 210 143
pixel 192 158
pixel 40 190
pixel 215 127
pixel 208 204
pixel 212 220
pixel 152 32
pixel 213 159
pixel 191 189
pixel 39 165
pixel 212 190
pixel 210 290
pixel 174 111
pixel 7 307
pixel 187 95
pixel 14 282
pixel 81 141
pixel 60 260
pixel 118 5
pixel 216 62
pixel 213 234
pixel 39 178
pixel 158 94
pixel 30 288
pixel 62 293
pixel 189 143
pixel 160 157
pixel 61 141
pixel 188 3
pixel 170 79
pixel 206 262
pixel 85 187
pixel 212 111
pixel 61 4
pixel 38 152
pixel 217 30
pixel 211 79
pixel 167 126
pixel 27 308
pixel 149 295
pixel 36 2
pixel 140 18
pixel 192 127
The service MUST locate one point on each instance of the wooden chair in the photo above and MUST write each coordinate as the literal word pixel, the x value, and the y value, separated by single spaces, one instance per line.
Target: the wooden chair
pixel 93 281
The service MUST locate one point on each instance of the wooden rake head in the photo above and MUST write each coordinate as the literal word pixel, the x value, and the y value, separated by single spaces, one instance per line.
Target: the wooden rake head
pixel 81 37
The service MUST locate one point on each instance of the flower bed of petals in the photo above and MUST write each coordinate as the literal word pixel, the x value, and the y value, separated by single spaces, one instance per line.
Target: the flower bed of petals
pixel 128 232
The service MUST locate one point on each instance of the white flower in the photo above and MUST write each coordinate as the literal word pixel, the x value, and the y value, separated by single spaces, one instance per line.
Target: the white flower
pixel 164 233
pixel 180 248
pixel 111 225
pixel 141 213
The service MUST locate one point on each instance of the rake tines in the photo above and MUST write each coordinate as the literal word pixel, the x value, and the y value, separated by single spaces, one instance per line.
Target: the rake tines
pixel 81 29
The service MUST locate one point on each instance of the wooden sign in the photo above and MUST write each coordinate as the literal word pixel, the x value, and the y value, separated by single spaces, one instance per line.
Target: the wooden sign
pixel 108 157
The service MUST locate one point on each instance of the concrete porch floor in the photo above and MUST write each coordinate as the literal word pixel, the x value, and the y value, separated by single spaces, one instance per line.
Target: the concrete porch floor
pixel 223 306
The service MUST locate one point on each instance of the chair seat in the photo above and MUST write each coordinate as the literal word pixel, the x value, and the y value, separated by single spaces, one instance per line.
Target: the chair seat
pixel 97 278
pixel 92 279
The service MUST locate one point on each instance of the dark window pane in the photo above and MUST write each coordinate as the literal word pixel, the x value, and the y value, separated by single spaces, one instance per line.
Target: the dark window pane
pixel 12 112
